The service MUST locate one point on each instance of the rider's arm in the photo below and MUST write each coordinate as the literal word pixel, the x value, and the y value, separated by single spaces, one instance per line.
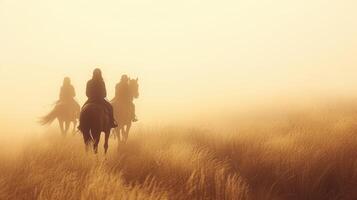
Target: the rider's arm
pixel 73 92
pixel 61 93
pixel 88 90
pixel 104 90
pixel 117 91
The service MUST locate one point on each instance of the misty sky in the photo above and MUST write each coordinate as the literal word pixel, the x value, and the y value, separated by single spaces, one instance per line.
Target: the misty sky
pixel 187 54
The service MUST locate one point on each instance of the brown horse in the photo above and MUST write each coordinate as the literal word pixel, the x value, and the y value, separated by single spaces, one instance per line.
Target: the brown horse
pixel 94 120
pixel 123 112
pixel 65 113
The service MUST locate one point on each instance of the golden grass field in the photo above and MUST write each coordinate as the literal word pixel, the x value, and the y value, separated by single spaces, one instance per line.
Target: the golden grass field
pixel 294 155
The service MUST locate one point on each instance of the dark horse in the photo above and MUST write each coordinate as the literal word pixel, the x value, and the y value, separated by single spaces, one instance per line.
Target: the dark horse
pixel 94 120
pixel 65 113
pixel 123 112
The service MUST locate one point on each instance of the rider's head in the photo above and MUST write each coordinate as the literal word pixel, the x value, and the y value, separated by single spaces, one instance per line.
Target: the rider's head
pixel 124 78
pixel 66 81
pixel 97 74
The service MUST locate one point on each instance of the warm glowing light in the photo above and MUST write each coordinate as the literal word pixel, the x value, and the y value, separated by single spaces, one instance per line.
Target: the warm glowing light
pixel 189 55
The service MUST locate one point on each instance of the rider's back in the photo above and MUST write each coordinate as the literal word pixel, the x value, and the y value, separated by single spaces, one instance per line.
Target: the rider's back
pixel 96 90
pixel 122 92
pixel 96 93
pixel 66 97
pixel 67 93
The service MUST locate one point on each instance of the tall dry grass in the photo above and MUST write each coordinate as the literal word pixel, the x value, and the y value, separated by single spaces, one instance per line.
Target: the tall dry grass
pixel 304 155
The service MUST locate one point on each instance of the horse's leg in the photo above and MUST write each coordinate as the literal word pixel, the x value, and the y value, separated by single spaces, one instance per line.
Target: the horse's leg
pixel 60 122
pixel 122 130
pixel 117 133
pixel 74 127
pixel 96 138
pixel 66 127
pixel 120 134
pixel 114 133
pixel 107 133
pixel 128 130
pixel 128 126
pixel 87 139
pixel 124 134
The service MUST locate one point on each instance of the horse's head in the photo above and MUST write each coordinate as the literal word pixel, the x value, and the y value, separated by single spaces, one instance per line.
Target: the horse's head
pixel 134 87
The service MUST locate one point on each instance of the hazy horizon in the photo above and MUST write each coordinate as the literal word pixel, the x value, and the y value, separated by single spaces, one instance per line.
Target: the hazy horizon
pixel 189 56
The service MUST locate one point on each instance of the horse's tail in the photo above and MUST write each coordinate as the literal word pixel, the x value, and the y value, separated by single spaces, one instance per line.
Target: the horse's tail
pixel 49 118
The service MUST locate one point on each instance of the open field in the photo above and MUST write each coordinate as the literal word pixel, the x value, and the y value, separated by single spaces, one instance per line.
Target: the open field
pixel 297 156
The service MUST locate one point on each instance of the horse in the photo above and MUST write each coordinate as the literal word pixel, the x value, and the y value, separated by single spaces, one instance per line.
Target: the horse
pixel 123 112
pixel 94 120
pixel 66 113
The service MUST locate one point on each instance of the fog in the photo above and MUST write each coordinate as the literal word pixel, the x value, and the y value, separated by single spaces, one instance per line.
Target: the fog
pixel 192 58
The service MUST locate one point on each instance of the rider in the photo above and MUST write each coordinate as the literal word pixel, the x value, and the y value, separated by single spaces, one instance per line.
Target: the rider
pixel 122 93
pixel 67 93
pixel 96 93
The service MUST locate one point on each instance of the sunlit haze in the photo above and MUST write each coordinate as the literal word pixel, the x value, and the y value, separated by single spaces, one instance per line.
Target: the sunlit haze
pixel 190 56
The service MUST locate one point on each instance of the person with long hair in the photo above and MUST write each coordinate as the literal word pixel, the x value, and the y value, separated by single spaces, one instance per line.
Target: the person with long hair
pixel 67 92
pixel 124 97
pixel 96 93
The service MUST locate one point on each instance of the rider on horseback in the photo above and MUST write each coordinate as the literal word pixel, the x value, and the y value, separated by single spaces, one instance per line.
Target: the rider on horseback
pixel 67 93
pixel 67 90
pixel 96 93
pixel 124 96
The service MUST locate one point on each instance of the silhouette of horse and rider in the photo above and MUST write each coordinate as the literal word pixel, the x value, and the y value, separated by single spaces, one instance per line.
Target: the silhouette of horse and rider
pixel 125 92
pixel 66 110
pixel 97 114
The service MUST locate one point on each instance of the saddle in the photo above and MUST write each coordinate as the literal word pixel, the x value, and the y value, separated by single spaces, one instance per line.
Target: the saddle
pixel 102 103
